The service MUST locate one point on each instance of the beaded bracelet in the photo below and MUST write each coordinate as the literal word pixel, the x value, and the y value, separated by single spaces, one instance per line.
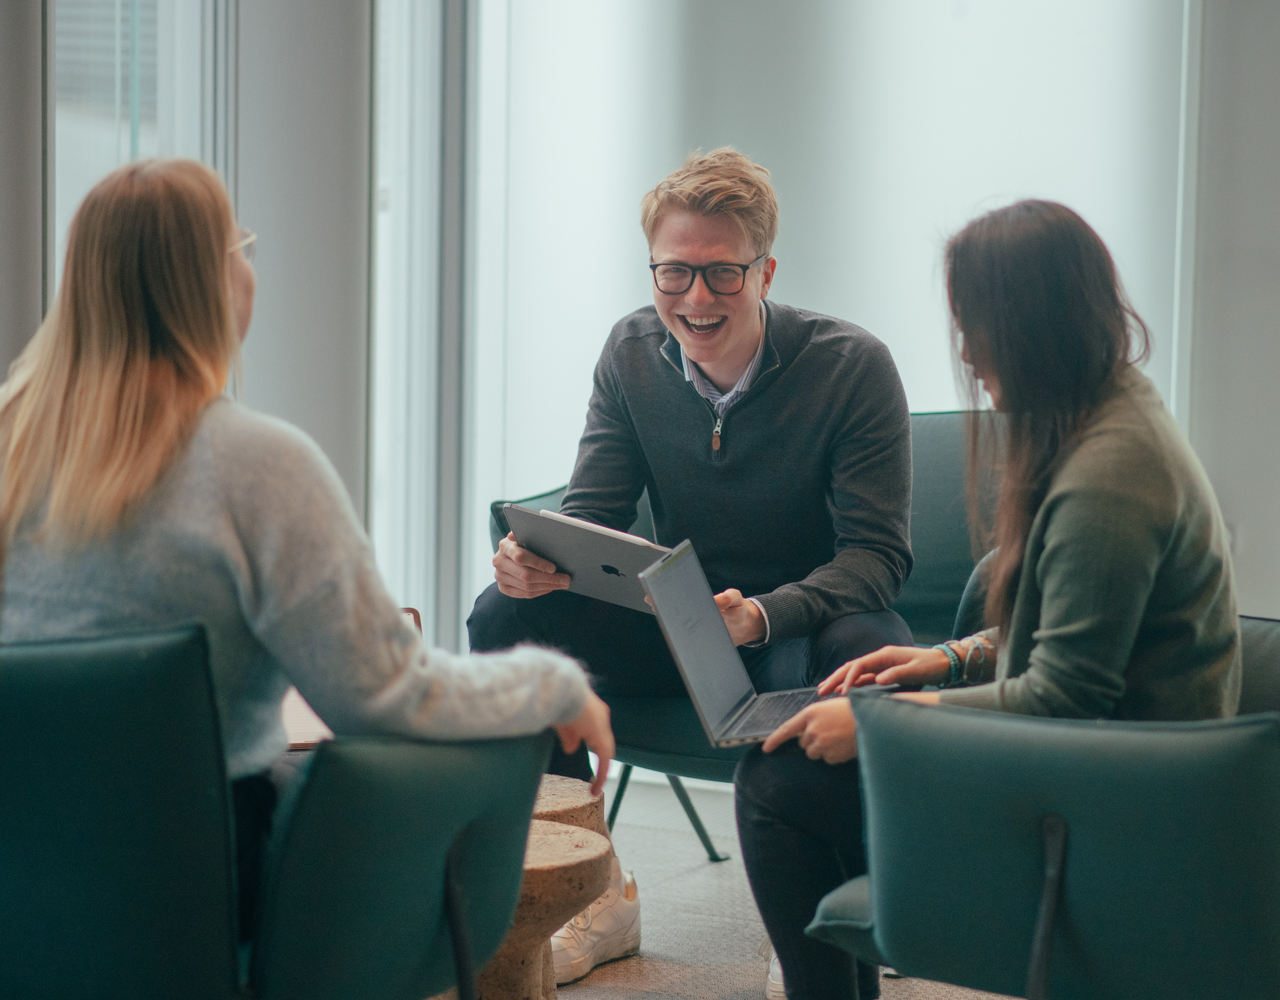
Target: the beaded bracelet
pixel 957 668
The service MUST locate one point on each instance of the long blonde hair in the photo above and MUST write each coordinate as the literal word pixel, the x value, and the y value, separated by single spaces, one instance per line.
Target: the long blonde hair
pixel 139 340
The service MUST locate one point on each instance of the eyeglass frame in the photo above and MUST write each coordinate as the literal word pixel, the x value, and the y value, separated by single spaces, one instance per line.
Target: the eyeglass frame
pixel 248 245
pixel 695 271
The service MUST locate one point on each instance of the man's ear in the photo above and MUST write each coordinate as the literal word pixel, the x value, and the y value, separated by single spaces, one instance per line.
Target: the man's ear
pixel 766 276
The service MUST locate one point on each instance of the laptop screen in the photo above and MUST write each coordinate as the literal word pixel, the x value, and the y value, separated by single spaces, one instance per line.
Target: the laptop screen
pixel 699 640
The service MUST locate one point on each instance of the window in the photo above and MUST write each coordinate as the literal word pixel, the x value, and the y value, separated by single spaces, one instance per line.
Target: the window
pixel 402 511
pixel 128 85
pixel 886 126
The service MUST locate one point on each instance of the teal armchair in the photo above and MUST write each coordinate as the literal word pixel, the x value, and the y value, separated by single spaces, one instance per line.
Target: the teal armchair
pixel 664 734
pixel 1066 858
pixel 117 849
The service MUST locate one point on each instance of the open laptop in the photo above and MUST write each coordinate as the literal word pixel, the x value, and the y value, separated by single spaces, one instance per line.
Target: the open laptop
pixel 731 711
pixel 601 563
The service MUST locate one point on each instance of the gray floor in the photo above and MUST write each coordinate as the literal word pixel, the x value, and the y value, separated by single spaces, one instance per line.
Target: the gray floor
pixel 700 926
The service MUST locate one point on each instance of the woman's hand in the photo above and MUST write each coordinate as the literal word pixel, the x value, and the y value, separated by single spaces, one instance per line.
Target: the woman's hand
pixel 890 665
pixel 826 731
pixel 592 727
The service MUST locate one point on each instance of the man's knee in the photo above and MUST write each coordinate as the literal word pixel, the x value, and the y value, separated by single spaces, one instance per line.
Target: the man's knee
pixel 855 635
pixel 786 783
pixel 495 622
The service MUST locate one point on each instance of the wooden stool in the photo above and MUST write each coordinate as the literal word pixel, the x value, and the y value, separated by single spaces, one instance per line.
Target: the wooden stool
pixel 568 800
pixel 565 868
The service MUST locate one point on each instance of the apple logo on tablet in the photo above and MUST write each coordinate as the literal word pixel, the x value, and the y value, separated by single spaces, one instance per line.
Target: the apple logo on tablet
pixel 611 570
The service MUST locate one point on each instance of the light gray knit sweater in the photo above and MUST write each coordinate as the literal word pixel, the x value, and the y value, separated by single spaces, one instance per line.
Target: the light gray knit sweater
pixel 251 533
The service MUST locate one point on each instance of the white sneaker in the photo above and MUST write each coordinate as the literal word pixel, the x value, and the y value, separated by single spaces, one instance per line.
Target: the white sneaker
pixel 607 929
pixel 774 987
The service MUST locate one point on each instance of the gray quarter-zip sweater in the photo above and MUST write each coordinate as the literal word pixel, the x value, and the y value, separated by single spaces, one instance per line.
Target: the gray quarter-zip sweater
pixel 805 504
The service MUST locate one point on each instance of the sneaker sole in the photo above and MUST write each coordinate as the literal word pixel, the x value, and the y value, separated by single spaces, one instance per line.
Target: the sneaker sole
pixel 580 969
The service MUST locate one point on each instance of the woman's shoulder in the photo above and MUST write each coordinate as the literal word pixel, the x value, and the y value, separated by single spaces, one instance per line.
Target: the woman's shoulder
pixel 1130 433
pixel 1131 451
pixel 260 456
pixel 232 432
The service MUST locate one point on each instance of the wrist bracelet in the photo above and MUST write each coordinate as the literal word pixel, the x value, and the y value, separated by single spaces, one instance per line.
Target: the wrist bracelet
pixel 953 659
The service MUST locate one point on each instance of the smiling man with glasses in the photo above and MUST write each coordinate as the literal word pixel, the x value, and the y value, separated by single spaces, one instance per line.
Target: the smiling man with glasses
pixel 776 440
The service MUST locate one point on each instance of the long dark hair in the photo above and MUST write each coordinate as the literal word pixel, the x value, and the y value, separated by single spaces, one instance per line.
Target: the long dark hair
pixel 1035 301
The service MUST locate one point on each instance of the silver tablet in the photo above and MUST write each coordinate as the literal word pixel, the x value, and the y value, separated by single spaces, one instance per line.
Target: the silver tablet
pixel 601 563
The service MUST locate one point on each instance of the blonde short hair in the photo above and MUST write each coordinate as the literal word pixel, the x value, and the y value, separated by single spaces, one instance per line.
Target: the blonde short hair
pixel 722 182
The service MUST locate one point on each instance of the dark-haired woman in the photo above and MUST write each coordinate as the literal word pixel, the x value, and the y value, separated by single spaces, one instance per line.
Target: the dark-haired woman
pixel 1110 591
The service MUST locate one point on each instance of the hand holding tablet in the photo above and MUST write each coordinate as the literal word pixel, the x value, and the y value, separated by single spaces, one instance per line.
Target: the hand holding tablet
pixel 545 549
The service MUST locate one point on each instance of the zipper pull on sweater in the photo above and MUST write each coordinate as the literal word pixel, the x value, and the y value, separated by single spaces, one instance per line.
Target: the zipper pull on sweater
pixel 715 434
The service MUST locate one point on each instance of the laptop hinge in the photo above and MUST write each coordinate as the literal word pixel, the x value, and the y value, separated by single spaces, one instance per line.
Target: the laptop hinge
pixel 736 714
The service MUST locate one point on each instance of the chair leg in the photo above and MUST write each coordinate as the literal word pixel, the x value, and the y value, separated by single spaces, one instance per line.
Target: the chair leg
pixel 463 968
pixel 1055 851
pixel 677 786
pixel 623 778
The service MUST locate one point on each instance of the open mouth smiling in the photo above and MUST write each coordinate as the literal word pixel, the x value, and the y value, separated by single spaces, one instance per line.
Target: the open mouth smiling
pixel 703 326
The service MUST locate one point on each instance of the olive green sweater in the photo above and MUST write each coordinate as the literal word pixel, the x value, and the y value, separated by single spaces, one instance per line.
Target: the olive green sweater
pixel 1125 607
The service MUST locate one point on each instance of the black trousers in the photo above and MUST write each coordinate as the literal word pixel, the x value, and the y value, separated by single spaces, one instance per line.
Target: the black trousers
pixel 800 827
pixel 625 653
pixel 253 800
pixel 259 803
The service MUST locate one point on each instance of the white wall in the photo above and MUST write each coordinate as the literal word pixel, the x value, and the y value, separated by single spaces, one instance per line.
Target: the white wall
pixel 20 186
pixel 303 187
pixel 886 126
pixel 889 125
pixel 1235 415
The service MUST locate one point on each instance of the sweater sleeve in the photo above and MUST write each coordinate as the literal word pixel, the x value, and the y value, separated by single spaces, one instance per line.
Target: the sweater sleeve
pixel 1101 551
pixel 870 506
pixel 609 473
pixel 312 595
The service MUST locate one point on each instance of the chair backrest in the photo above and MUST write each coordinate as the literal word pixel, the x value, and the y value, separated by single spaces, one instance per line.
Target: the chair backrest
pixel 939 526
pixel 116 863
pixel 1260 685
pixel 355 895
pixel 1172 877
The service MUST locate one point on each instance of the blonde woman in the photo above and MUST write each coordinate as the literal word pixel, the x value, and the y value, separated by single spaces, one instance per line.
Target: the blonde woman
pixel 136 497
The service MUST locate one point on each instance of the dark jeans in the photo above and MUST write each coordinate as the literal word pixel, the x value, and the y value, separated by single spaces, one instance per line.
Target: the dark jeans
pixel 625 653
pixel 800 826
pixel 260 803
pixel 253 801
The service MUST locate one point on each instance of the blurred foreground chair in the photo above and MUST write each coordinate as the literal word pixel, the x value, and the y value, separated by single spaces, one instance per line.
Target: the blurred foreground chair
pixel 1065 858
pixel 117 849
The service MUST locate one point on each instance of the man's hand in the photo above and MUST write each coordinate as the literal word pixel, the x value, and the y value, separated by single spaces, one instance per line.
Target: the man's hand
pixel 591 726
pixel 522 574
pixel 741 617
pixel 890 665
pixel 827 731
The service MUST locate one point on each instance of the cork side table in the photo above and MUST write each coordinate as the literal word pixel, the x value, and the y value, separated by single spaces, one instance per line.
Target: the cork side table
pixel 568 800
pixel 565 868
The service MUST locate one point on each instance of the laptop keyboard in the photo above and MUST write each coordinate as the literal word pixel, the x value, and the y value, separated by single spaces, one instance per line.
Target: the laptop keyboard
pixel 769 711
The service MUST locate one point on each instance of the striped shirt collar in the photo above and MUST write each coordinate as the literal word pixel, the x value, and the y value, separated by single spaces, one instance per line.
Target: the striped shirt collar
pixel 721 401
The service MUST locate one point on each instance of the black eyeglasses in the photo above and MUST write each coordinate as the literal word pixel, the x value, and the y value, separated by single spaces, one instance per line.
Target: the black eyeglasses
pixel 722 279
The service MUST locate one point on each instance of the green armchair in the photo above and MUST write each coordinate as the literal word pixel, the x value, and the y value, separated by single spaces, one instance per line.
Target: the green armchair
pixel 664 734
pixel 118 858
pixel 1066 858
